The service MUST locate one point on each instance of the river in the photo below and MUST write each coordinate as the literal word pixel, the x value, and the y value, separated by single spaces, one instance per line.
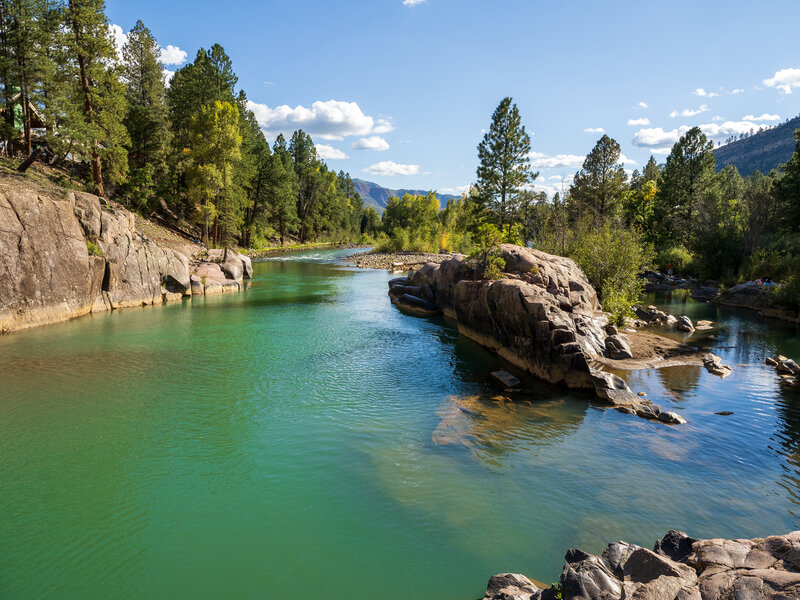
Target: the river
pixel 301 439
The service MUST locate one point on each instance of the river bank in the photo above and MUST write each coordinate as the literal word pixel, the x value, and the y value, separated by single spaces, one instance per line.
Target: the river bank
pixel 678 568
pixel 68 254
pixel 395 261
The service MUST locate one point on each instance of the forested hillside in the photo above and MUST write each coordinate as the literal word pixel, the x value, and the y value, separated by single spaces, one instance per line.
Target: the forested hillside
pixel 762 151
pixel 378 196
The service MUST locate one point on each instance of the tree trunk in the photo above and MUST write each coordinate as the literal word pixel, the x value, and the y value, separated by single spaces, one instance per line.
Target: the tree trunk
pixel 30 160
pixel 97 170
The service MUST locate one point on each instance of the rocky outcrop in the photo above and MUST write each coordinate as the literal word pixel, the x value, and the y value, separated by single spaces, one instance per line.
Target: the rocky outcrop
pixel 678 568
pixel 543 316
pixel 67 254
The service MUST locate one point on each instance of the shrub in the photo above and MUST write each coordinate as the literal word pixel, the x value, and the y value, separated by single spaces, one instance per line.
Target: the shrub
pixel 94 248
pixel 487 258
pixel 682 260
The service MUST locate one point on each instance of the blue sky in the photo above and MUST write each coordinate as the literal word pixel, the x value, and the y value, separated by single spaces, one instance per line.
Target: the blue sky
pixel 399 91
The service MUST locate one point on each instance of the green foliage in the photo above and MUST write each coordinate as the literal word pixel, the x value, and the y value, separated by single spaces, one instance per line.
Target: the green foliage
pixel 504 168
pixel 94 248
pixel 147 118
pixel 598 187
pixel 612 257
pixel 681 259
pixel 486 256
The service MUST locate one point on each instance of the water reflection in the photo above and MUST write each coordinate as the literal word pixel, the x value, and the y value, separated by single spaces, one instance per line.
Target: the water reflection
pixel 494 427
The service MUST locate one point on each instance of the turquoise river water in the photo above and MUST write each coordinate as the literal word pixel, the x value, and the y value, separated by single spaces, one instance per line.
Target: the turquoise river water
pixel 305 439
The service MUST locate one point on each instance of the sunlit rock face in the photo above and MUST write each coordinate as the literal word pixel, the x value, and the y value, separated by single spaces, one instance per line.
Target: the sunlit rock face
pixel 542 316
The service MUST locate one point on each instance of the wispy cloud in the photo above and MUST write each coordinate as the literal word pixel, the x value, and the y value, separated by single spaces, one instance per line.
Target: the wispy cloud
pixel 736 91
pixel 690 112
pixel 784 80
pixel 412 2
pixel 704 94
pixel 390 168
pixel 545 161
pixel 643 105
pixel 764 117
pixel 642 121
pixel 594 130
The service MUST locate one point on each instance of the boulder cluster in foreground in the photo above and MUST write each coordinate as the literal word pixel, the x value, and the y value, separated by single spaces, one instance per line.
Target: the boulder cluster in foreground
pixel 678 568
pixel 543 316
pixel 68 254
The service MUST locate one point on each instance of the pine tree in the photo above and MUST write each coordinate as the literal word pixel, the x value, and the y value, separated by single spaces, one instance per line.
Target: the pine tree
pixel 789 186
pixel 504 168
pixel 687 176
pixel 215 150
pixel 147 119
pixel 92 81
pixel 282 189
pixel 598 186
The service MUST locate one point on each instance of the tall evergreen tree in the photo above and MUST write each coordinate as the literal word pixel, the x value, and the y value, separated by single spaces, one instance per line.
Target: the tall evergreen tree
pixel 504 168
pixel 687 176
pixel 789 187
pixel 282 189
pixel 147 119
pixel 215 150
pixel 598 186
pixel 92 82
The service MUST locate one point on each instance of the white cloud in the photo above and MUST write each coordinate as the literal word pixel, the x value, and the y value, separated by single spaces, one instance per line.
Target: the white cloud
pixel 736 91
pixel 389 168
pixel 704 94
pixel 328 152
pixel 717 118
pixel 656 137
pixel 172 55
pixel 544 161
pixel 642 121
pixel 594 130
pixel 374 142
pixel 688 112
pixel 382 126
pixel 728 128
pixel 119 36
pixel 455 191
pixel 784 80
pixel 764 117
pixel 627 161
pixel 412 2
pixel 643 105
pixel 331 120
pixel 168 75
pixel 658 141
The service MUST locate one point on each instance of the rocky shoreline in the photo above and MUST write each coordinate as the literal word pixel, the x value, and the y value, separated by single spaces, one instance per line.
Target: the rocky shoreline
pixel 395 261
pixel 69 254
pixel 543 317
pixel 678 568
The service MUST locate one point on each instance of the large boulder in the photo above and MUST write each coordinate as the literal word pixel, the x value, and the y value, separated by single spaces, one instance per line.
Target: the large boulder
pixel 543 316
pixel 680 568
pixel 67 254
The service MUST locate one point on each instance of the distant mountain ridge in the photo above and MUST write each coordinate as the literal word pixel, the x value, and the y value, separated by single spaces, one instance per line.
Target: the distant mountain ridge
pixel 376 195
pixel 762 151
